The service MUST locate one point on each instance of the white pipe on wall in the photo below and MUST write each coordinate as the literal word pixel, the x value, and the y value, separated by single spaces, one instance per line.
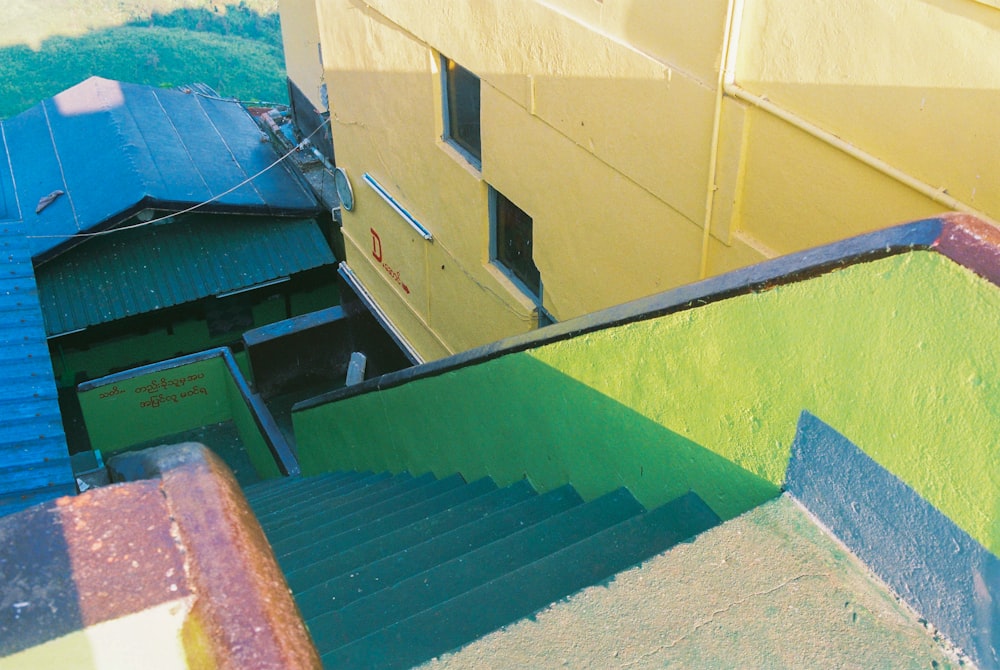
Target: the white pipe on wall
pixel 938 195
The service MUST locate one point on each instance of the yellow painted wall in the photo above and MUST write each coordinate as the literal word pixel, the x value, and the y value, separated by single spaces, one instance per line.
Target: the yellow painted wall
pixel 548 145
pixel 149 639
pixel 845 197
pixel 912 83
pixel 300 38
pixel 621 127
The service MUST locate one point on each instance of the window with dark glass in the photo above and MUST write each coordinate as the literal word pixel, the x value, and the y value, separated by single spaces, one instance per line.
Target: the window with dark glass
pixel 513 242
pixel 461 110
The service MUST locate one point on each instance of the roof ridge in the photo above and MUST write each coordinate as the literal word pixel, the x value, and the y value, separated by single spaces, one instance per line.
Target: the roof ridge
pixel 16 214
pixel 116 114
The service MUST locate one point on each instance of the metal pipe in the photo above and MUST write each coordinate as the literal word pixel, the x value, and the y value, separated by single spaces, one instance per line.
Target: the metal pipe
pixel 318 154
pixel 938 195
pixel 734 14
pixel 352 280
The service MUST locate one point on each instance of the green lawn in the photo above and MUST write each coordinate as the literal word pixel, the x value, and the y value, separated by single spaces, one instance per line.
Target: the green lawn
pixel 236 51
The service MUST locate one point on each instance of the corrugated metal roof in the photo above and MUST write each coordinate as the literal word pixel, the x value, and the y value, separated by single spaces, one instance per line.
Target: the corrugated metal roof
pixel 138 271
pixel 34 459
pixel 115 148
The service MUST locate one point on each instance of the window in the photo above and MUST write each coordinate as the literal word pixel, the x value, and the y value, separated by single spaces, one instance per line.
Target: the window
pixel 461 110
pixel 512 242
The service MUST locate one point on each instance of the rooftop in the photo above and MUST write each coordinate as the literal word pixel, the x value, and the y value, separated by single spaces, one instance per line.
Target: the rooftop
pixel 157 149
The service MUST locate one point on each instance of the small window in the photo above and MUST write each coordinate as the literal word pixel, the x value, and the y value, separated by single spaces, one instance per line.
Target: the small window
pixel 461 110
pixel 512 241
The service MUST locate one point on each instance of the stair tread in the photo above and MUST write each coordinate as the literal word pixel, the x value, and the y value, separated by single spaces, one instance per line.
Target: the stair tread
pixel 281 503
pixel 445 580
pixel 341 496
pixel 340 590
pixel 523 591
pixel 325 526
pixel 395 532
pixel 263 489
pixel 326 517
pixel 271 490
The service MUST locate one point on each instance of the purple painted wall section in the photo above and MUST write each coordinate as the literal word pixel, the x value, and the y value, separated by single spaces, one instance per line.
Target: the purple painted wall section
pixel 972 243
pixel 944 574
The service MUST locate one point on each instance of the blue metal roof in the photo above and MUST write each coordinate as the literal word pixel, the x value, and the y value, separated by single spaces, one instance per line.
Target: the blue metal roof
pixel 115 148
pixel 130 272
pixel 9 210
pixel 34 459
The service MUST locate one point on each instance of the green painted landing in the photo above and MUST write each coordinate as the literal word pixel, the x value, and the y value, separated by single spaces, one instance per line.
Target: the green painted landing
pixel 390 571
pixel 222 438
pixel 768 589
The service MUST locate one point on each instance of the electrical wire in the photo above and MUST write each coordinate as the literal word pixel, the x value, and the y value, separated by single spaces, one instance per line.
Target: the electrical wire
pixel 243 183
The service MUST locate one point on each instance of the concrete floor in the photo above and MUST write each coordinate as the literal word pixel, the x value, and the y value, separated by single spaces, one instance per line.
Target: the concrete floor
pixel 769 589
pixel 223 439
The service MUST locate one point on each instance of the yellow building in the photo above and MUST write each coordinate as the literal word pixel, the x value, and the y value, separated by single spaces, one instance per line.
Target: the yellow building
pixel 516 162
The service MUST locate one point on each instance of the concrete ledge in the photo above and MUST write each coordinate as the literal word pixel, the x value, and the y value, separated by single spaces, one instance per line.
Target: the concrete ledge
pixel 76 562
pixel 243 615
pixel 768 589
pixel 935 566
pixel 169 570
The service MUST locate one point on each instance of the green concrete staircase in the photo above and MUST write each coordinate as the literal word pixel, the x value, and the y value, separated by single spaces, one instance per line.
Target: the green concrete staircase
pixel 392 570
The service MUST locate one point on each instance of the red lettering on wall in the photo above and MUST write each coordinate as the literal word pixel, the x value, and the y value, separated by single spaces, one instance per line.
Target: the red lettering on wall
pixel 376 246
pixel 377 255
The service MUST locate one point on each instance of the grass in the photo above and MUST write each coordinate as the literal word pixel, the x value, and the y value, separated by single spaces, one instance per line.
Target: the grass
pixel 236 51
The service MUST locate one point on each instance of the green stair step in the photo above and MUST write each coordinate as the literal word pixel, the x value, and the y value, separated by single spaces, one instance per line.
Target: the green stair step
pixel 328 517
pixel 322 527
pixel 341 496
pixel 523 591
pixel 309 489
pixel 268 488
pixel 332 556
pixel 396 601
pixel 273 490
pixel 367 580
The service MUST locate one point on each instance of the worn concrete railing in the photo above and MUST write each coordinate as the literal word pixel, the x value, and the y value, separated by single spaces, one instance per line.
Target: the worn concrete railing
pixel 168 569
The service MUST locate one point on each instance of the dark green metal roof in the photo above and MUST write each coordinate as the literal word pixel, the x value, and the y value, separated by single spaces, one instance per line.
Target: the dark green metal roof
pixel 138 271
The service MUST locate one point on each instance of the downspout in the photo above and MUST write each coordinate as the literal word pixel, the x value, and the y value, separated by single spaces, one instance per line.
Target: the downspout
pixel 727 66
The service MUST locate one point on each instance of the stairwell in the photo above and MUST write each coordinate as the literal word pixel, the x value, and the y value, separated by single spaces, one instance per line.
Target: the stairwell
pixel 392 570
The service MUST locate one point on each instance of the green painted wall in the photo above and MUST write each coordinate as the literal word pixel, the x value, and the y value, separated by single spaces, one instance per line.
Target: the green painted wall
pixel 91 360
pixel 515 417
pixel 147 339
pixel 156 404
pixel 895 354
pixel 250 435
pixel 124 413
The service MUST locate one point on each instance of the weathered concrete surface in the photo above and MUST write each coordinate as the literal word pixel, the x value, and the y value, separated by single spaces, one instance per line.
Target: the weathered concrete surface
pixel 150 639
pixel 768 589
pixel 79 561
pixel 173 565
pixel 244 616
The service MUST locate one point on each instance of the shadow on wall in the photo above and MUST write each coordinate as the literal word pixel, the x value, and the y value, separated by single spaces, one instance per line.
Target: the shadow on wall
pixel 872 347
pixel 36 532
pixel 237 52
pixel 547 427
pixel 942 572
